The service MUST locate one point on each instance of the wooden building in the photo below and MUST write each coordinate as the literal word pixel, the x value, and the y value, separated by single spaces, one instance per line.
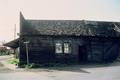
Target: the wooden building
pixel 68 41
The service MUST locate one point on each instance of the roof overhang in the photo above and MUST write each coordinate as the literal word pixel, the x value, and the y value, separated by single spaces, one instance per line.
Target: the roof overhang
pixel 13 43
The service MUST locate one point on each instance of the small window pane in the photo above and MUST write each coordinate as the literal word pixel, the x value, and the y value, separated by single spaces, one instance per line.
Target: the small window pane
pixel 58 48
pixel 67 48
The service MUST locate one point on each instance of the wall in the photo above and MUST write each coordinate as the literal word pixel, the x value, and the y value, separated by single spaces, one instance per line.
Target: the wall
pixel 42 49
pixel 103 49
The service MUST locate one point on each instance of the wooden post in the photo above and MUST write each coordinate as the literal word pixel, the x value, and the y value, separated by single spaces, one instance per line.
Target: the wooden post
pixel 15 56
pixel 27 56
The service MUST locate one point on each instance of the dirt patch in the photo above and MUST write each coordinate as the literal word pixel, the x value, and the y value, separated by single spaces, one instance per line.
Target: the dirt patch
pixel 1 65
pixel 3 69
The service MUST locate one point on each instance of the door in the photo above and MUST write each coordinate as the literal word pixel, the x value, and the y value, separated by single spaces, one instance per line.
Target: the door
pixel 82 55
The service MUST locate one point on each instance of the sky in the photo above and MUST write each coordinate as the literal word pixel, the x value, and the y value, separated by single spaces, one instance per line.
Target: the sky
pixel 100 10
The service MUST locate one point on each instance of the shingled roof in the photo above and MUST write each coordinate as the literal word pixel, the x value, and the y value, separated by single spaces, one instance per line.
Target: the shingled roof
pixel 70 27
pixel 13 43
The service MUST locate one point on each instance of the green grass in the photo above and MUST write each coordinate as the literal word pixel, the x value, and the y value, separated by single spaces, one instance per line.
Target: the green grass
pixel 13 61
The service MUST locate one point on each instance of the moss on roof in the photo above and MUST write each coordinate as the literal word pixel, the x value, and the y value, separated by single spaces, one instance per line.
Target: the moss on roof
pixel 71 27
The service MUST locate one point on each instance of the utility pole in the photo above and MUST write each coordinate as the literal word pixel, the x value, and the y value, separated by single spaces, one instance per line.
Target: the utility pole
pixel 27 56
pixel 14 31
pixel 14 39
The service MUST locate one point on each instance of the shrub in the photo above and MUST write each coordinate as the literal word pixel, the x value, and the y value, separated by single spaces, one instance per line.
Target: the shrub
pixel 13 61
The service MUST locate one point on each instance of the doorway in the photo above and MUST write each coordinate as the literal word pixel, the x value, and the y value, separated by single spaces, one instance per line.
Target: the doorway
pixel 82 54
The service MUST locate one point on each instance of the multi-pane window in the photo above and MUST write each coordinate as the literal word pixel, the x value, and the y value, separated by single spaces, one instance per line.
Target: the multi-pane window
pixel 62 47
pixel 58 47
pixel 67 48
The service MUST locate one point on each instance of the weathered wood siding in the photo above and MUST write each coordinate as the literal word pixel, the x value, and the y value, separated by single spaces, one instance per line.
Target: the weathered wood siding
pixel 42 49
pixel 103 49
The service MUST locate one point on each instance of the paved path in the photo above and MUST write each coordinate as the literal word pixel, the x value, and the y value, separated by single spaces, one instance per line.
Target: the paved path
pixel 88 72
pixel 78 72
pixel 16 74
pixel 4 69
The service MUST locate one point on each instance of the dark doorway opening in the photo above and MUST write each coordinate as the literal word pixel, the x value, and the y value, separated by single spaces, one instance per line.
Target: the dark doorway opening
pixel 82 54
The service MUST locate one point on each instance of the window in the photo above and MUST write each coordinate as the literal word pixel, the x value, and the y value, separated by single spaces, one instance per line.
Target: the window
pixel 58 47
pixel 63 47
pixel 67 48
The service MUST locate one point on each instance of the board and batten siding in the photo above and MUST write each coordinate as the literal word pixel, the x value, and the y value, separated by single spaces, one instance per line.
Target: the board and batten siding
pixel 42 49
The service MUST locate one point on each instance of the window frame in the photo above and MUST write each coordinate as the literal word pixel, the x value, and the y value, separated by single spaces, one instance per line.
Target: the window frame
pixel 62 43
pixel 68 47
pixel 59 46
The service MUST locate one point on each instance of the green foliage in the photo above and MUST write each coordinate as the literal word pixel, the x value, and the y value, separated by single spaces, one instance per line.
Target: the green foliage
pixel 45 65
pixel 28 66
pixel 4 53
pixel 13 61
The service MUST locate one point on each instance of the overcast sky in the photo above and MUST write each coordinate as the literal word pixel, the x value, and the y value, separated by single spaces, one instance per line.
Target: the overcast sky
pixel 103 10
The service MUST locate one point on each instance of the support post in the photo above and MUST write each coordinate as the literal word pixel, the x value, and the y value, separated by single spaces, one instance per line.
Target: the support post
pixel 27 55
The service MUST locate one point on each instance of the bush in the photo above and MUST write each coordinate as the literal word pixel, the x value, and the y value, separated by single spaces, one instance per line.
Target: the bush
pixel 45 65
pixel 13 61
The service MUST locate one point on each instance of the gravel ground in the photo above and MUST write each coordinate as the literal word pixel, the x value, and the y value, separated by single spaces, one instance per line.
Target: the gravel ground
pixel 4 69
pixel 74 72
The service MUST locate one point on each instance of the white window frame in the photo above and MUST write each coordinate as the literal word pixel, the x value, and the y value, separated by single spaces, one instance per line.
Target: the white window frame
pixel 67 47
pixel 58 47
